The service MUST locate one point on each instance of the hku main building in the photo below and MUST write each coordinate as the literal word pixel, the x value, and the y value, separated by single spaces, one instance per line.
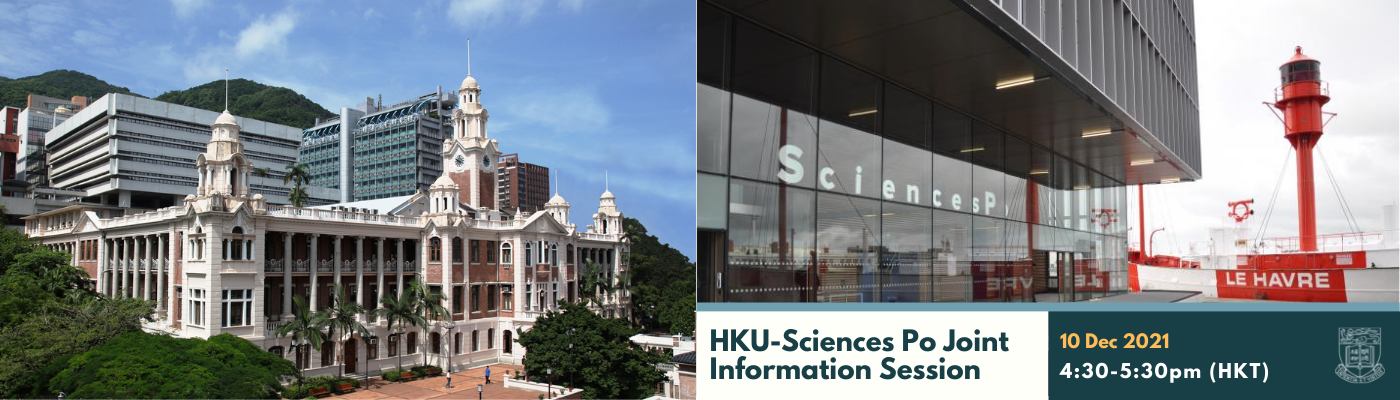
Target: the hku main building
pixel 226 261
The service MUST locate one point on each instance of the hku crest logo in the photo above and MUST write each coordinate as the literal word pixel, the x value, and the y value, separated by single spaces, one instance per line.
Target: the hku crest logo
pixel 1360 350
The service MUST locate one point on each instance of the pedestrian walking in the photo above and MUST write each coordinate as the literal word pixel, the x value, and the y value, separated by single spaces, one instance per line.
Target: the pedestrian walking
pixel 449 379
pixel 488 375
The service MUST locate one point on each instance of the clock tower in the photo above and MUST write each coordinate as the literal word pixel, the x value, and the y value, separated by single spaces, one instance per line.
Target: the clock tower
pixel 469 156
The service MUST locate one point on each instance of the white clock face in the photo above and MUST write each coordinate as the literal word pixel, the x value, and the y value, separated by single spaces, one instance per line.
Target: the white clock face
pixel 460 162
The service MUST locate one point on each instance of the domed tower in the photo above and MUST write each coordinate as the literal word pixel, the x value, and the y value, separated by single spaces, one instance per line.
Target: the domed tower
pixel 1301 96
pixel 222 168
pixel 443 195
pixel 558 208
pixel 469 156
pixel 607 220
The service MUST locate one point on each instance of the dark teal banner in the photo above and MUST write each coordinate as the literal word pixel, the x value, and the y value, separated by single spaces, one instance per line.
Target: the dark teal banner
pixel 1239 355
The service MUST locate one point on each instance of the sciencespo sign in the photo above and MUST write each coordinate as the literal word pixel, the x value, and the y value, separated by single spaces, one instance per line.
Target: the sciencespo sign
pixel 792 172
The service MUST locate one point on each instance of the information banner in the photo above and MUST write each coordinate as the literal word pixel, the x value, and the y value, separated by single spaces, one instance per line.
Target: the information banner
pixel 863 352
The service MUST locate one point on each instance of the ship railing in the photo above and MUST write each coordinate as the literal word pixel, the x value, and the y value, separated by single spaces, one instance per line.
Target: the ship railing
pixel 1337 242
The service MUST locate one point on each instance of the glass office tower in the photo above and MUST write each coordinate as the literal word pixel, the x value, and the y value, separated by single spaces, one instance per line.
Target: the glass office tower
pixel 841 165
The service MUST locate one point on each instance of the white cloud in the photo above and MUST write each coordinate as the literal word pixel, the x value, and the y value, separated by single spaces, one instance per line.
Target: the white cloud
pixel 566 111
pixel 1243 148
pixel 471 13
pixel 186 8
pixel 572 5
pixel 266 34
pixel 371 13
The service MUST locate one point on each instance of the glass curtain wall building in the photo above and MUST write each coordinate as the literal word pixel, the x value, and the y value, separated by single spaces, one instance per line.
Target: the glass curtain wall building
pixel 822 180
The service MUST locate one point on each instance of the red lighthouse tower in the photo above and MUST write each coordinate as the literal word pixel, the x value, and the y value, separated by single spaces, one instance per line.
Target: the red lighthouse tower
pixel 1301 97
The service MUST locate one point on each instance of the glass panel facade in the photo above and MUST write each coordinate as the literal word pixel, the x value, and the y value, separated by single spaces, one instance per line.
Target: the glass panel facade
pixel 843 186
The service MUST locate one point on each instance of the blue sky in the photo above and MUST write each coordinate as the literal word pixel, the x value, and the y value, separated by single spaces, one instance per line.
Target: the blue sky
pixel 580 86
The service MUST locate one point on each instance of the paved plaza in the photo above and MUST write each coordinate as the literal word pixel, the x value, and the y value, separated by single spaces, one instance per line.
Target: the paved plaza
pixel 463 387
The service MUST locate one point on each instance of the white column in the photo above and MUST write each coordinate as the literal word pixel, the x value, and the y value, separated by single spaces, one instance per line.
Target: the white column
pixel 315 237
pixel 151 259
pixel 161 259
pixel 379 272
pixel 336 266
pixel 359 272
pixel 102 266
pixel 287 272
pixel 400 268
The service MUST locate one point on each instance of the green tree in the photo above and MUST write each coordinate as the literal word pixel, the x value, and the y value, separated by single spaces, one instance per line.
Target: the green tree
pixel 398 311
pixel 298 175
pixel 59 83
pixel 250 99
pixel 342 321
pixel 663 282
pixel 427 305
pixel 305 328
pixel 61 328
pixel 603 360
pixel 142 365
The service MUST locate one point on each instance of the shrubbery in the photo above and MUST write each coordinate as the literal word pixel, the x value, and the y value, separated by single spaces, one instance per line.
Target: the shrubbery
pixel 391 376
pixel 303 389
pixel 419 370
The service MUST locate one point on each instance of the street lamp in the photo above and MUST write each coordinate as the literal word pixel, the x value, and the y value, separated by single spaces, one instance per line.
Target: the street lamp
pixel 549 384
pixel 478 391
pixel 571 357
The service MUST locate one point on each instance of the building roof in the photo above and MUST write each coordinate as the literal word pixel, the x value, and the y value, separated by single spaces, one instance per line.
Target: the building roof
pixel 557 199
pixel 469 82
pixel 226 118
pixel 384 205
pixel 684 358
pixel 443 180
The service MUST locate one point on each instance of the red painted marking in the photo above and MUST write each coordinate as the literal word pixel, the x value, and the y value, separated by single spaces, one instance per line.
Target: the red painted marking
pixel 1282 285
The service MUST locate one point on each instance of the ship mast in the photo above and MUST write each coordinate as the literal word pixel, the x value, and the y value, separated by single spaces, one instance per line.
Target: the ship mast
pixel 1301 97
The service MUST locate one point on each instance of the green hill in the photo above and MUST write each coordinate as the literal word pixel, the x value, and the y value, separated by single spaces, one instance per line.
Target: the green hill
pixel 60 83
pixel 254 100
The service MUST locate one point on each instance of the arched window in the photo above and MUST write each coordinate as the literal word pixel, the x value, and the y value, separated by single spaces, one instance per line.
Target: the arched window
pixel 505 341
pixel 233 180
pixel 527 254
pixel 412 343
pixel 570 250
pixel 436 343
pixel 328 354
pixel 476 345
pixel 456 249
pixel 457 343
pixel 491 338
pixel 505 253
pixel 435 249
pixel 554 254
pixel 372 349
pixel 394 345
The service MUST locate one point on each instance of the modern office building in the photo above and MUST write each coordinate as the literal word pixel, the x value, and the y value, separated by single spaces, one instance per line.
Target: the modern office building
pixel 944 150
pixel 375 151
pixel 9 144
pixel 224 260
pixel 521 185
pixel 134 152
pixel 40 114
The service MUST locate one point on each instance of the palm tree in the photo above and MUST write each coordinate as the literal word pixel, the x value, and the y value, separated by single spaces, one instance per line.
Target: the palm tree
pixel 305 328
pixel 593 283
pixel 429 306
pixel 400 310
pixel 298 175
pixel 297 196
pixel 341 319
